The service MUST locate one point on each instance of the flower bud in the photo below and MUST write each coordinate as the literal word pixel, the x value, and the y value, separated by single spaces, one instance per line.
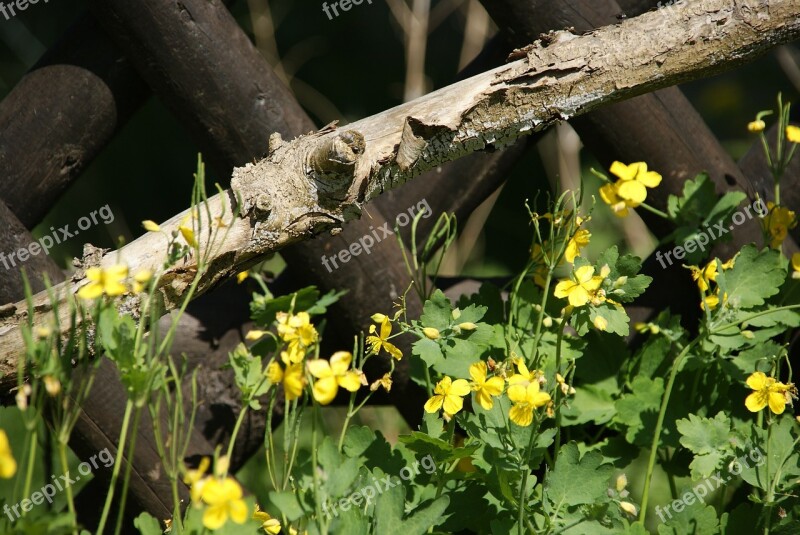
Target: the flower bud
pixel 456 313
pixel 621 483
pixel 620 282
pixel 754 127
pixel 378 318
pixel 547 322
pixel 600 323
pixel 52 385
pixel 431 333
pixel 467 326
pixel 628 507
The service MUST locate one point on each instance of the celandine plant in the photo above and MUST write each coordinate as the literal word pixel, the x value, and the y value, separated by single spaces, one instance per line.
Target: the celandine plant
pixel 545 412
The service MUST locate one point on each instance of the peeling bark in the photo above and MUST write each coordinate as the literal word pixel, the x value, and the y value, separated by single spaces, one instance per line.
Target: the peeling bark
pixel 319 181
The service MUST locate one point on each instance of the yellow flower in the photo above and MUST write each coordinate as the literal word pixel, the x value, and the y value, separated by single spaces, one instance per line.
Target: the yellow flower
pixel 431 333
pixel 381 341
pixel 578 241
pixel 484 389
pixel 631 189
pixel 188 235
pixel 151 226
pixel 8 466
pixel 618 205
pixel 195 478
pixel 104 281
pixel 270 525
pixel 754 127
pixel 793 134
pixel 796 266
pixel 293 356
pixel 296 330
pixel 705 276
pixel 292 378
pixel 385 382
pixel 768 391
pixel 331 375
pixel 526 397
pixel 448 393
pixel 777 224
pixel 240 278
pixel 634 179
pixel 224 499
pixel 580 287
pixel 141 279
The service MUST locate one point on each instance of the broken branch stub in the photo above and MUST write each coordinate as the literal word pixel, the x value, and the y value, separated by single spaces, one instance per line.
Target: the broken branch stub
pixel 317 182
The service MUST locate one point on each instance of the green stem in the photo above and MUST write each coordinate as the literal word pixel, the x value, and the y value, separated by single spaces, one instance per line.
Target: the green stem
pixel 236 427
pixel 558 370
pixel 31 461
pixel 347 420
pixel 62 455
pixel 123 437
pixel 525 472
pixel 659 425
pixel 127 478
pixel 655 211
pixel 770 494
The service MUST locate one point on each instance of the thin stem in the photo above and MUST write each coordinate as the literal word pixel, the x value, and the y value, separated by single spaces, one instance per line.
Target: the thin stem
pixel 128 468
pixel 236 427
pixel 659 424
pixel 117 465
pixel 655 211
pixel 31 461
pixel 558 370
pixel 62 455
pixel 347 420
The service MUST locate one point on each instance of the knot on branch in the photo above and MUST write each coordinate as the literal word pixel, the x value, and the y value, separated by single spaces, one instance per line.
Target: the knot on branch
pixel 332 163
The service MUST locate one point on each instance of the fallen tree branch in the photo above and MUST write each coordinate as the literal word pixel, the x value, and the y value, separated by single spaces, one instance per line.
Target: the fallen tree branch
pixel 319 181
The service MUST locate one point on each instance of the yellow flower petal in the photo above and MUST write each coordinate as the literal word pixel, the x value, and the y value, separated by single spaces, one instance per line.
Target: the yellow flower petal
pixel 453 404
pixel 757 381
pixel 777 402
pixel 320 368
pixel 633 191
pixel 215 516
pixel 350 381
pixel 340 362
pixel 434 404
pixel 755 402
pixel 793 134
pixel 325 390
pixel 460 387
pixel 521 414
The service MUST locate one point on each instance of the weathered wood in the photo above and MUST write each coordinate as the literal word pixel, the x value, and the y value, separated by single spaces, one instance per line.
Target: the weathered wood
pixel 282 204
pixel 61 115
pixel 13 237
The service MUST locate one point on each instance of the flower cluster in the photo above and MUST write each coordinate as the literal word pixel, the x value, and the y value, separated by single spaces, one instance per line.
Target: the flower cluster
pixel 300 336
pixel 630 191
pixel 522 388
pixel 777 224
pixel 706 278
pixel 113 282
pixel 220 494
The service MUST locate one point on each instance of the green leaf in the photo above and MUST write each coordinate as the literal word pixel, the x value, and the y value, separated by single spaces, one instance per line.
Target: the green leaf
pixel 638 410
pixel 263 308
pixel 697 519
pixel 389 514
pixel 287 502
pixel 754 277
pixel 575 480
pixel 437 311
pixel 705 435
pixel 147 525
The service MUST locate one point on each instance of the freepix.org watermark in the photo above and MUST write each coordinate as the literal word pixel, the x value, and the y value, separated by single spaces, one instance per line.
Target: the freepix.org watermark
pixel 367 242
pixel 16 7
pixel 58 485
pixel 368 494
pixel 705 237
pixel 709 485
pixel 46 242
pixel 344 5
